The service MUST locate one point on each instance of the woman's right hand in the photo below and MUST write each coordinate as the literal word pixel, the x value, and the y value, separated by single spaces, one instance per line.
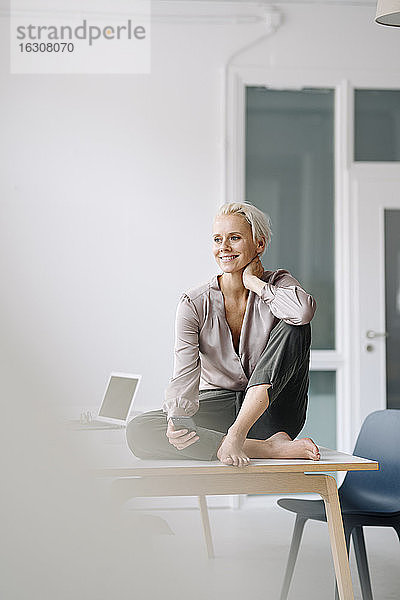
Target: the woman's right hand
pixel 180 438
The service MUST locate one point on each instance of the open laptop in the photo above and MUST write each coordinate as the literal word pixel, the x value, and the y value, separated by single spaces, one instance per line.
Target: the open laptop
pixel 116 405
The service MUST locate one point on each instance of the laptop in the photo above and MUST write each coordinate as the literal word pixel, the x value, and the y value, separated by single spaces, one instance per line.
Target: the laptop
pixel 116 405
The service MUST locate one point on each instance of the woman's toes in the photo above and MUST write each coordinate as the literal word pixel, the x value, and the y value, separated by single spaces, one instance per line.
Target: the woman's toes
pixel 312 449
pixel 228 460
pixel 317 454
pixel 244 461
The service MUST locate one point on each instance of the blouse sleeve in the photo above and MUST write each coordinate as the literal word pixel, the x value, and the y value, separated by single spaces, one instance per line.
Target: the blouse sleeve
pixel 182 392
pixel 287 300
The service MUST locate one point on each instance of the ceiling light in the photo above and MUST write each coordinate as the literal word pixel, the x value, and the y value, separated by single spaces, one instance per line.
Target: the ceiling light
pixel 388 12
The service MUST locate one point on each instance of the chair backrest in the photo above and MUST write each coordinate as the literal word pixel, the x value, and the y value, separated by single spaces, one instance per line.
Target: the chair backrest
pixel 376 491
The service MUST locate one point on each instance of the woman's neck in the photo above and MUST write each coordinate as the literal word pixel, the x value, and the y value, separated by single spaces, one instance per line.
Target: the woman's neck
pixel 231 285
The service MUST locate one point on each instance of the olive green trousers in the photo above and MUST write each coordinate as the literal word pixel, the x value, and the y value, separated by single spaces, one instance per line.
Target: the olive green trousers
pixel 284 364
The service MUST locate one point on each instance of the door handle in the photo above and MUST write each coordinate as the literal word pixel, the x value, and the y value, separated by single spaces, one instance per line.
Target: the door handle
pixel 371 334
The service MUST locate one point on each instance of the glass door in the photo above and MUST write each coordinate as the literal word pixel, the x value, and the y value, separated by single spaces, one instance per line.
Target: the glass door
pixel 376 181
pixel 392 302
pixel 377 199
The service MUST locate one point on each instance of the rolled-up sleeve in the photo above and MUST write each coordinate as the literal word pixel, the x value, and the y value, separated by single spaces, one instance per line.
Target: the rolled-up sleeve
pixel 287 300
pixel 182 392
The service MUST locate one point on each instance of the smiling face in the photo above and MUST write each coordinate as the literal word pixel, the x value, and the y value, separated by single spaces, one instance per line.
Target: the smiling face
pixel 233 245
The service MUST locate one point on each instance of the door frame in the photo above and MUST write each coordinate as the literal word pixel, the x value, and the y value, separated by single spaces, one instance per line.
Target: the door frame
pixel 345 358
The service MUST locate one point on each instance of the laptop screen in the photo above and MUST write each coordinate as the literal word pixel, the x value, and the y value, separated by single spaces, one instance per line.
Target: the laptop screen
pixel 118 397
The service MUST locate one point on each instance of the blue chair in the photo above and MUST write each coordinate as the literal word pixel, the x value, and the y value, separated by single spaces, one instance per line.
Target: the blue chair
pixel 367 498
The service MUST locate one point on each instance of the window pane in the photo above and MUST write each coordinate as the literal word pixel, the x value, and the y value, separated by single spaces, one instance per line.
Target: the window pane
pixel 321 415
pixel 377 125
pixel 290 175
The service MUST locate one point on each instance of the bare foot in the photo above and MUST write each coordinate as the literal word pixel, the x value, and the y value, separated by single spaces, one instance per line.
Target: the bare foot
pixel 282 446
pixel 231 451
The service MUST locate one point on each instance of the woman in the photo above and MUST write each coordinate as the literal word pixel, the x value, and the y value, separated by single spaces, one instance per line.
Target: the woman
pixel 242 353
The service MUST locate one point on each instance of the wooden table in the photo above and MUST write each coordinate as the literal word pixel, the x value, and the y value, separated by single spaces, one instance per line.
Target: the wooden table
pixel 138 478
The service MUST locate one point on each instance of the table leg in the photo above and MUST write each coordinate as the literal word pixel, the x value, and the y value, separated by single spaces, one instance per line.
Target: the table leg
pixel 242 482
pixel 206 526
pixel 337 539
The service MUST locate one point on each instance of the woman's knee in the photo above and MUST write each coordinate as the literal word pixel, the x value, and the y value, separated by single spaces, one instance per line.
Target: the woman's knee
pixel 298 335
pixel 133 433
pixel 138 435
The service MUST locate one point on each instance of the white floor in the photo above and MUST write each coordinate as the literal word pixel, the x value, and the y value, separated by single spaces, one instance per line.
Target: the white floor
pixel 251 546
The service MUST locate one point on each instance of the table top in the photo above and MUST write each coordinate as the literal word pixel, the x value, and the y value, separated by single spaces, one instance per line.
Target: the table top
pixel 118 461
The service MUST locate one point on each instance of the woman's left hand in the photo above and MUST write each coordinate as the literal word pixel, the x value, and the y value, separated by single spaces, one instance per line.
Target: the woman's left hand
pixel 253 269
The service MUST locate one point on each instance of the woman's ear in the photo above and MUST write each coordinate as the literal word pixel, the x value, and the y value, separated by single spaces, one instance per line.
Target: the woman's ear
pixel 260 245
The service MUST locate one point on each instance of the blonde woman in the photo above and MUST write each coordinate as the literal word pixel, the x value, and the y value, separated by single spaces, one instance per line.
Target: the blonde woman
pixel 242 350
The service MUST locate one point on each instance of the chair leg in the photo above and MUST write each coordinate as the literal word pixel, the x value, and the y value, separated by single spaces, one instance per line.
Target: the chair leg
pixel 294 550
pixel 347 534
pixel 362 563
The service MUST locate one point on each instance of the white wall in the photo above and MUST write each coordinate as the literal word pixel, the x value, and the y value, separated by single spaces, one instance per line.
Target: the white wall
pixel 108 188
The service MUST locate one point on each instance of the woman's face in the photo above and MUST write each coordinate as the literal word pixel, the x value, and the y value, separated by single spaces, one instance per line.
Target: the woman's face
pixel 233 244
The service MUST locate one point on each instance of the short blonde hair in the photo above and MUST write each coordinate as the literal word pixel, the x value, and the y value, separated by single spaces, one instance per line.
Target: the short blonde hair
pixel 259 221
